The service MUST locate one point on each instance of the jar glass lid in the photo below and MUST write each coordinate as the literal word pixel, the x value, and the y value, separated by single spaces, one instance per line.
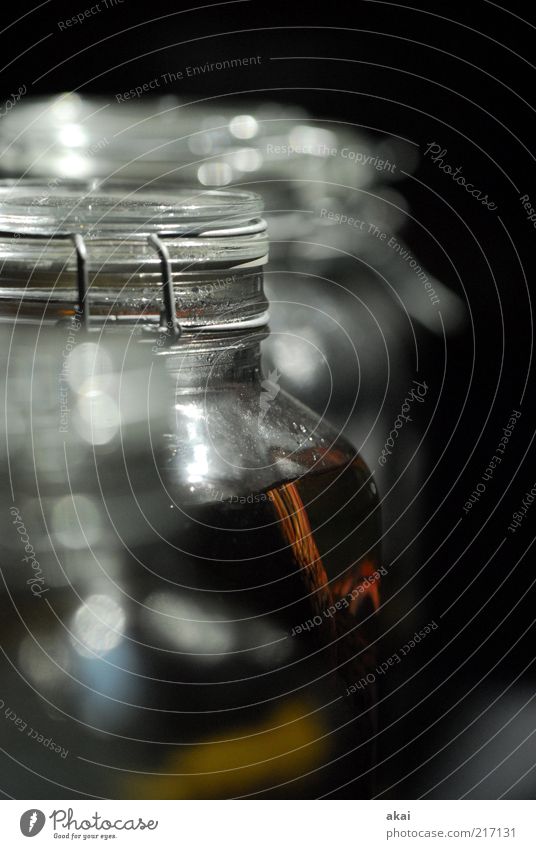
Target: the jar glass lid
pixel 100 209
pixel 131 254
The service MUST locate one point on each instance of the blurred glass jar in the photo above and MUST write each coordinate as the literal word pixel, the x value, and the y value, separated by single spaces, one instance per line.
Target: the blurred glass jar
pixel 190 558
pixel 304 168
pixel 323 186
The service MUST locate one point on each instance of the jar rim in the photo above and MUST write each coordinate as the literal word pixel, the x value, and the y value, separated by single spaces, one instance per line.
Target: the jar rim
pixel 99 209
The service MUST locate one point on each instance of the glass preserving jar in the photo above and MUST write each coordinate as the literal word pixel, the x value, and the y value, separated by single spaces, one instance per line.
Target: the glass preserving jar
pixel 190 557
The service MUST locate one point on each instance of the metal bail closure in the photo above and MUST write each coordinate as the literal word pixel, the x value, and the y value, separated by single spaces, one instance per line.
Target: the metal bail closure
pixel 168 319
pixel 82 277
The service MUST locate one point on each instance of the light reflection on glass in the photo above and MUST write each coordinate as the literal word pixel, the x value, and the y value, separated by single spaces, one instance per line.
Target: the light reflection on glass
pixel 76 521
pixel 97 626
pixel 72 165
pixel 244 126
pixel 302 352
pixel 44 659
pixel 247 159
pixel 199 467
pixel 189 627
pixel 191 411
pixel 72 135
pixel 215 174
pixel 97 419
pixel 313 140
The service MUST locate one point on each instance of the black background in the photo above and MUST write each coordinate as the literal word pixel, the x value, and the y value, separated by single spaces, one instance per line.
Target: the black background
pixel 460 74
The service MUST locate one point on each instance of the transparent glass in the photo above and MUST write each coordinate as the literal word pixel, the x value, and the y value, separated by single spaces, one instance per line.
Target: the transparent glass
pixel 191 567
pixel 299 163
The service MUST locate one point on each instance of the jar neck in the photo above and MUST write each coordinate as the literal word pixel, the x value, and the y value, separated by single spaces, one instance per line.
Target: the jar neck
pixel 203 300
pixel 201 362
pixel 221 326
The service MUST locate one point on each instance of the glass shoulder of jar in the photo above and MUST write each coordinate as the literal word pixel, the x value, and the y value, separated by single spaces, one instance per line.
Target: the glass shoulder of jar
pixel 250 440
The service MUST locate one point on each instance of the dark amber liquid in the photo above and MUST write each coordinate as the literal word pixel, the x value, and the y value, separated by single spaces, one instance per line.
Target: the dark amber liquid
pixel 243 625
